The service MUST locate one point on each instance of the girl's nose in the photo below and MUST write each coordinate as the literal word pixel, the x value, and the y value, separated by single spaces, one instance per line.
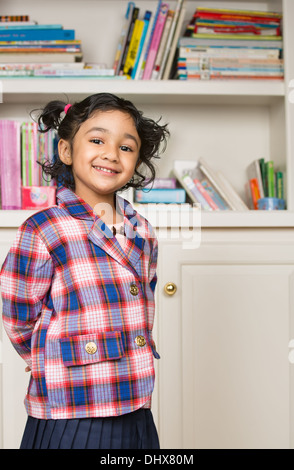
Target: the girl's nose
pixel 111 153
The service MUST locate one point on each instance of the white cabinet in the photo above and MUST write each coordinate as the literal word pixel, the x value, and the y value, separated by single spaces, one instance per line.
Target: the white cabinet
pixel 224 376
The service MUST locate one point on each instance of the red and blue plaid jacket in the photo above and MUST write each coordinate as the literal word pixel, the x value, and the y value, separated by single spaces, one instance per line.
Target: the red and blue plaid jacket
pixel 79 309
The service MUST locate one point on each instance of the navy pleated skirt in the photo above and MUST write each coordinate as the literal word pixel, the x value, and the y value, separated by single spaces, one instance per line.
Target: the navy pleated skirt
pixel 130 431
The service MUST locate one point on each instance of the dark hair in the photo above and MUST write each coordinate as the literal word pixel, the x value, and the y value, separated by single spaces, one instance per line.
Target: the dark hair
pixel 151 133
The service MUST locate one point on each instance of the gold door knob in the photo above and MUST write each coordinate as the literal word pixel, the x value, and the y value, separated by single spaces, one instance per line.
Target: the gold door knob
pixel 170 288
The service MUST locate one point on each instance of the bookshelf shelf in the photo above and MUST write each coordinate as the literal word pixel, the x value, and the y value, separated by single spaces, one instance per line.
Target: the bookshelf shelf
pixel 171 91
pixel 221 219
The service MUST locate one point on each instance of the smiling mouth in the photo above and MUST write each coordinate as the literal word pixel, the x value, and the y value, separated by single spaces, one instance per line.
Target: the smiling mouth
pixel 105 170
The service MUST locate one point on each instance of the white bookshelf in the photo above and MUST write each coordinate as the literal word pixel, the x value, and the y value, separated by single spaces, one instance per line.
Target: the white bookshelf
pixel 229 123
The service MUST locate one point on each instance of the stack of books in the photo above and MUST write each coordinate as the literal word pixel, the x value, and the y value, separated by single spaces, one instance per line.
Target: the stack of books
pixel 148 41
pixel 28 49
pixel 231 44
pixel 163 190
pixel 264 182
pixel 25 41
pixel 21 146
pixel 207 187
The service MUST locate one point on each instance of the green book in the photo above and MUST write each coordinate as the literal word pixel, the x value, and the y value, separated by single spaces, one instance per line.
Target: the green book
pixel 279 185
pixel 262 172
pixel 270 179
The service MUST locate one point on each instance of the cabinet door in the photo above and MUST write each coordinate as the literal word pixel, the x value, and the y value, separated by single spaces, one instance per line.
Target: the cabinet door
pixel 224 378
pixel 14 379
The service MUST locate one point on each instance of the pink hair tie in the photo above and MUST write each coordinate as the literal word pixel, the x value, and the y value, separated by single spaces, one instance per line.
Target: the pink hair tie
pixel 66 108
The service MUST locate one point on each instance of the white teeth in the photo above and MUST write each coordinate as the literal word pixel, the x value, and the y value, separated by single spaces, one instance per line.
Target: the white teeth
pixel 104 169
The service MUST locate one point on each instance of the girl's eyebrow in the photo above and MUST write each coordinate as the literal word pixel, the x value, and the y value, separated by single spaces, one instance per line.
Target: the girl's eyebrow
pixel 107 131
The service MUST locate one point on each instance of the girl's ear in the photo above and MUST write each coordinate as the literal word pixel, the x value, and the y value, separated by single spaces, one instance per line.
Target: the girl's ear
pixel 64 152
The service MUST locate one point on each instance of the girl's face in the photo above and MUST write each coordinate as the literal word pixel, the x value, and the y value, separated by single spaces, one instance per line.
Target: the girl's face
pixel 104 155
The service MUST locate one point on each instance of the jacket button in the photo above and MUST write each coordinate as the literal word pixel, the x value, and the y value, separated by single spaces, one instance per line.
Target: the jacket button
pixel 91 348
pixel 134 289
pixel 140 340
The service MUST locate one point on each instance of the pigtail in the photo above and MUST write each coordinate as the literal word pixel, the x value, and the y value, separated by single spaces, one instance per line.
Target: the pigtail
pixel 51 116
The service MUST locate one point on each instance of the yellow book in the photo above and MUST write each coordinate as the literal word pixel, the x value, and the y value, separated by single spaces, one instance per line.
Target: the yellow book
pixel 133 47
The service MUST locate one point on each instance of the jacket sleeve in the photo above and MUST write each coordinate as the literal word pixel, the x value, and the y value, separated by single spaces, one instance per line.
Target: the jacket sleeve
pixel 25 280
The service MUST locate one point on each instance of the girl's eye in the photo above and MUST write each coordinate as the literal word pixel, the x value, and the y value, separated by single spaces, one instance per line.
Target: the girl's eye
pixel 97 141
pixel 125 148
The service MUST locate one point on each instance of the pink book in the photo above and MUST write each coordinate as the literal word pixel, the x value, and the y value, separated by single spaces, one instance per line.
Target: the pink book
pixel 10 164
pixel 155 41
pixel 205 194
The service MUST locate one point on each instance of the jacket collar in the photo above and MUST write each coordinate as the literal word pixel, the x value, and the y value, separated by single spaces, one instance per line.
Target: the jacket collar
pixel 80 209
pixel 101 235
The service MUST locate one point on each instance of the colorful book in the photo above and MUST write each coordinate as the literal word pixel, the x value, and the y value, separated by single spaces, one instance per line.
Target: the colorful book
pixel 206 195
pixel 214 194
pixel 254 192
pixel 147 44
pixel 169 59
pixel 147 21
pixel 162 45
pixel 270 179
pixel 279 184
pixel 33 35
pixel 194 193
pixel 10 165
pixel 21 25
pixel 162 183
pixel 123 37
pixel 133 47
pixel 8 18
pixel 134 17
pixel 160 196
pixel 254 172
pixel 155 41
pixel 216 183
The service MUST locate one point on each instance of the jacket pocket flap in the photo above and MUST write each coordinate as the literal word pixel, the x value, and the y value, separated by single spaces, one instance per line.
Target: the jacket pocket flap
pixel 87 349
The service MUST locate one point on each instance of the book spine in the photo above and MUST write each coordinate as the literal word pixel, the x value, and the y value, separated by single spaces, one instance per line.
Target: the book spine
pixel 30 35
pixel 162 183
pixel 21 25
pixel 174 44
pixel 214 195
pixel 8 18
pixel 10 165
pixel 255 194
pixel 195 191
pixel 279 185
pixel 147 19
pixel 214 181
pixel 148 41
pixel 123 38
pixel 205 194
pixel 162 45
pixel 270 178
pixel 160 196
pixel 135 15
pixel 133 48
pixel 155 41
pixel 170 38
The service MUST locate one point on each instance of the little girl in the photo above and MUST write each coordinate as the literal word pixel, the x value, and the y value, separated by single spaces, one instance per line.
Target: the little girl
pixel 78 284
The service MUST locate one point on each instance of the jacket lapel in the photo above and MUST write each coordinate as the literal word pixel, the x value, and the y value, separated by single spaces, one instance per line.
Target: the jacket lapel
pixel 101 235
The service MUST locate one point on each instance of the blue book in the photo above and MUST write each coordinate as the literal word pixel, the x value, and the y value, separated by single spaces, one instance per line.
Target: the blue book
pixel 160 195
pixel 37 35
pixel 8 26
pixel 147 17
